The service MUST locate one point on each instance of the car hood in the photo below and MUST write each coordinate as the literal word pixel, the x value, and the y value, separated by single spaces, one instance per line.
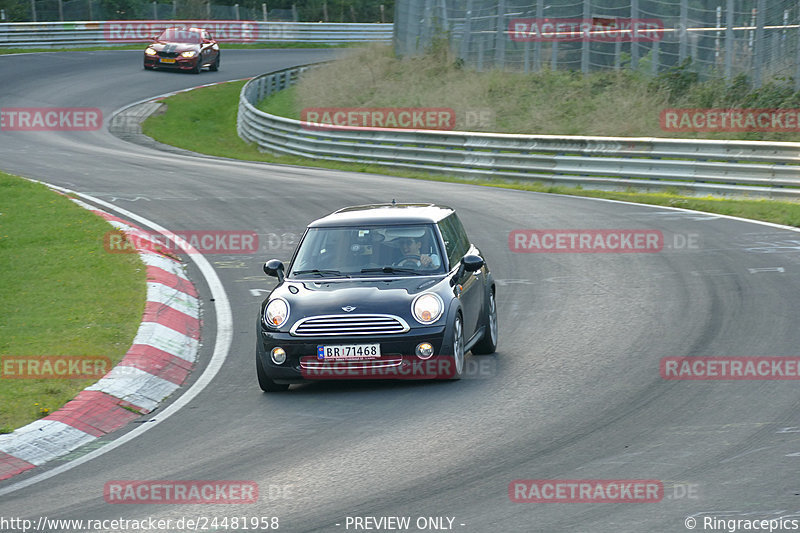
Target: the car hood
pixel 383 296
pixel 165 46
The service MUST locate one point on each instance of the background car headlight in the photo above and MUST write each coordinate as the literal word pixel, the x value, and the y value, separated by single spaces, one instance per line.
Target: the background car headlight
pixel 190 53
pixel 427 308
pixel 150 51
pixel 276 313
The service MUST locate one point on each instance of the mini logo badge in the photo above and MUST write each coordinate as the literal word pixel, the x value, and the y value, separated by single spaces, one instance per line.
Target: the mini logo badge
pixel 348 308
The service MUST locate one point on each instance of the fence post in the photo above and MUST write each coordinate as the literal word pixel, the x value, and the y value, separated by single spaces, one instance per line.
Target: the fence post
pixel 264 11
pixel 537 46
pixel 91 16
pixel 760 40
pixel 500 36
pixel 33 10
pixel 554 56
pixel 526 57
pixel 587 15
pixel 634 39
pixel 655 54
pixel 294 13
pixel 236 11
pixel 797 61
pixel 618 53
pixel 61 10
pixel 466 33
pixel 729 40
pixel 682 33
pixel 155 10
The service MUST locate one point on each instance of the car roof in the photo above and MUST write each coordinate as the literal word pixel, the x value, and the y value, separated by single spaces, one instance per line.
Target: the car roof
pixel 384 215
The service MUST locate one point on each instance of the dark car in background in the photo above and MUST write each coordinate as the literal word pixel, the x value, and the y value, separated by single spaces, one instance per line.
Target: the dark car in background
pixel 384 291
pixel 188 49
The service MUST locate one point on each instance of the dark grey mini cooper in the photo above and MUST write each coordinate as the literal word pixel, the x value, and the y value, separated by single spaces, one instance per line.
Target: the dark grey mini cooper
pixel 386 291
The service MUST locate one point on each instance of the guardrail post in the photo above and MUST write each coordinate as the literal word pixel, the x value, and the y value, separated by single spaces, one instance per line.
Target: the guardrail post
pixel 587 39
pixel 759 51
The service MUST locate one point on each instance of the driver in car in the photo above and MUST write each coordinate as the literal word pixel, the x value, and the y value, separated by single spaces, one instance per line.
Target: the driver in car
pixel 410 248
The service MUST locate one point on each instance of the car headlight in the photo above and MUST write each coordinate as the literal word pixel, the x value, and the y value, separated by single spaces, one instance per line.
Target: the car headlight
pixel 150 51
pixel 276 313
pixel 427 308
pixel 190 53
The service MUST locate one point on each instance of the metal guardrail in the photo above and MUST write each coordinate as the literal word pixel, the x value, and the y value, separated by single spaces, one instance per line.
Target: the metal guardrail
pixel 54 34
pixel 750 168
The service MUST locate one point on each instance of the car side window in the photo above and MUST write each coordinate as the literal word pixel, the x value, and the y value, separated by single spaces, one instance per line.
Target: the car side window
pixel 454 238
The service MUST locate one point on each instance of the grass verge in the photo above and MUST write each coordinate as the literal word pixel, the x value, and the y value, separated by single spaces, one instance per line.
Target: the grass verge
pixel 60 292
pixel 204 121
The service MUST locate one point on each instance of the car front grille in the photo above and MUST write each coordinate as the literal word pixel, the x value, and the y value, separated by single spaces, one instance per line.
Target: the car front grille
pixel 167 54
pixel 344 325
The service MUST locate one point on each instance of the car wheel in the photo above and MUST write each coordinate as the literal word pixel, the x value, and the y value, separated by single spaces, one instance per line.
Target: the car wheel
pixel 488 344
pixel 215 65
pixel 458 349
pixel 266 384
pixel 198 66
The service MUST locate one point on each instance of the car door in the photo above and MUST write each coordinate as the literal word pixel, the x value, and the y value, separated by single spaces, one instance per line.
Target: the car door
pixel 471 293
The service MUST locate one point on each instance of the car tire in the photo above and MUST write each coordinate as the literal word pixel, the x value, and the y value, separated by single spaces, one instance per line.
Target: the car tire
pixel 148 68
pixel 198 66
pixel 215 65
pixel 459 355
pixel 488 344
pixel 266 384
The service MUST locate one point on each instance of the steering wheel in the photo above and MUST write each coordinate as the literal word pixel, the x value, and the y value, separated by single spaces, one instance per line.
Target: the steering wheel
pixel 410 261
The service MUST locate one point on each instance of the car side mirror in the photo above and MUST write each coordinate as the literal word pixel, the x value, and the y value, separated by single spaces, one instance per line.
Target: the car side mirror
pixel 469 263
pixel 472 263
pixel 274 267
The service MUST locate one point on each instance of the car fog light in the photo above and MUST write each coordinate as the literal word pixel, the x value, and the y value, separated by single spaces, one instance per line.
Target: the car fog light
pixel 424 350
pixel 278 355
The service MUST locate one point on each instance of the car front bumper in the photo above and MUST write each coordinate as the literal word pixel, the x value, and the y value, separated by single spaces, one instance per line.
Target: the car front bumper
pixel 398 358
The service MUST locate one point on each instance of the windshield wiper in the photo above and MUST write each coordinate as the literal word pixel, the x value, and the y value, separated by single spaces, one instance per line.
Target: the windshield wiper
pixel 391 270
pixel 320 272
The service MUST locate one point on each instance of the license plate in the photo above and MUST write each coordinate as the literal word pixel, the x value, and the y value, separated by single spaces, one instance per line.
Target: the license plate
pixel 166 60
pixel 348 352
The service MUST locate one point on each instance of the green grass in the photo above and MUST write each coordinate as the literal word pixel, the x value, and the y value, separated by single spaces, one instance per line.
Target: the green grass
pixel 60 292
pixel 224 46
pixel 204 121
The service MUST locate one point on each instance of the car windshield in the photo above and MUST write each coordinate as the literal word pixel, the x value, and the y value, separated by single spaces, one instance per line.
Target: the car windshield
pixel 368 251
pixel 178 35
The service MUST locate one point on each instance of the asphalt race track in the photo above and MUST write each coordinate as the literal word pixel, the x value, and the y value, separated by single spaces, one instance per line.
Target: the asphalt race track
pixel 574 392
